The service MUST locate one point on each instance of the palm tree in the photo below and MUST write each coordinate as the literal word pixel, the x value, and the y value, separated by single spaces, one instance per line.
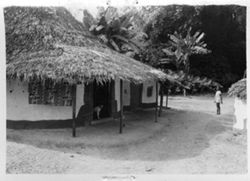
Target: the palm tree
pixel 117 33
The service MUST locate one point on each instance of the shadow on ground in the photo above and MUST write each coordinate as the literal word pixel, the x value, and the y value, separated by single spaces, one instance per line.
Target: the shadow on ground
pixel 178 134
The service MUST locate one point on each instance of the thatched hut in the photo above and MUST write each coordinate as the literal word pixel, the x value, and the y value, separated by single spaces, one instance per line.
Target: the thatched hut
pixel 54 66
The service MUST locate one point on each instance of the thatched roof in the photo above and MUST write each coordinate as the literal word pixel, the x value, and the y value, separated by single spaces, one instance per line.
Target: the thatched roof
pixel 48 43
pixel 239 89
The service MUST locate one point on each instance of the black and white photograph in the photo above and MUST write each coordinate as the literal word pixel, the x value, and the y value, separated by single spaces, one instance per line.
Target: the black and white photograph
pixel 125 89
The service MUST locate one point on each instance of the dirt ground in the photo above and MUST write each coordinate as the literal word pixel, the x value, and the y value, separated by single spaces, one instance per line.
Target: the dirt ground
pixel 189 138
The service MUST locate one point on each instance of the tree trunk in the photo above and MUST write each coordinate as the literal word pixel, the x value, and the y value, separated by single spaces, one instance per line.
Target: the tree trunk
pixel 121 105
pixel 186 71
pixel 184 92
pixel 74 110
pixel 161 99
pixel 156 102
pixel 167 96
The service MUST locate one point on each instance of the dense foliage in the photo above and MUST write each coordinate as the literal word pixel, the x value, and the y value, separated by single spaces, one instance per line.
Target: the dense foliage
pixel 219 29
pixel 225 36
pixel 193 83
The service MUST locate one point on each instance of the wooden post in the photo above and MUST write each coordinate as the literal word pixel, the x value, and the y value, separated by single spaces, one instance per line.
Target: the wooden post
pixel 161 99
pixel 167 98
pixel 121 105
pixel 156 101
pixel 74 110
pixel 113 102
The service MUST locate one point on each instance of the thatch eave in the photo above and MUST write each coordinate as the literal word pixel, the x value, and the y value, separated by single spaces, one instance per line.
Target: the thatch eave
pixel 239 89
pixel 48 43
pixel 80 64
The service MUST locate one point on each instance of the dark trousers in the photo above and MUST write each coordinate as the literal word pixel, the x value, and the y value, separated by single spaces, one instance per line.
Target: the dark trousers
pixel 218 107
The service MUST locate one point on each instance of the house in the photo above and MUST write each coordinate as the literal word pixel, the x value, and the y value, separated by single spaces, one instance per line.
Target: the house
pixel 57 72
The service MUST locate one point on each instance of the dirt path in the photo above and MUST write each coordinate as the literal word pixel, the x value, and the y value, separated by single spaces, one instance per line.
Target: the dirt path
pixel 188 139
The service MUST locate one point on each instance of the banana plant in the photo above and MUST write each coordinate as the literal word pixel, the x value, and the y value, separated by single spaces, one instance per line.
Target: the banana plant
pixel 181 48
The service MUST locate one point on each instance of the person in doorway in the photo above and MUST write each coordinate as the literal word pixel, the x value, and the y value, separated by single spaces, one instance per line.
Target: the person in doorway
pixel 97 110
pixel 218 99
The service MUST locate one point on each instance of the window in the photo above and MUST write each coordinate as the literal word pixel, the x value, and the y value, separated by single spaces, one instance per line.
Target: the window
pixel 50 94
pixel 150 91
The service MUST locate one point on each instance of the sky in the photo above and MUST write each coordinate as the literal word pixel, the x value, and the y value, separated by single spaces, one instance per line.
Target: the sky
pixel 76 6
pixel 76 10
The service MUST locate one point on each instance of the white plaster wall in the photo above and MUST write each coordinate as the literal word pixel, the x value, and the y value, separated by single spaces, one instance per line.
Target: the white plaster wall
pixel 126 93
pixel 145 98
pixel 79 96
pixel 117 93
pixel 240 112
pixel 18 107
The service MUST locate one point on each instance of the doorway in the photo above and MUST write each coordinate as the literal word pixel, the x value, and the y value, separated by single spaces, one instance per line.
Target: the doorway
pixel 102 96
pixel 136 96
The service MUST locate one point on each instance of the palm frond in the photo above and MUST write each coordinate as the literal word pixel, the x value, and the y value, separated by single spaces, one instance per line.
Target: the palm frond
pixel 200 37
pixel 168 52
pixel 120 38
pixel 165 61
pixel 98 28
pixel 114 45
pixel 174 39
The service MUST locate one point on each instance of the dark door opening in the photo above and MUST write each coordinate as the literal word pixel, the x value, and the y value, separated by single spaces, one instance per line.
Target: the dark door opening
pixel 136 95
pixel 102 96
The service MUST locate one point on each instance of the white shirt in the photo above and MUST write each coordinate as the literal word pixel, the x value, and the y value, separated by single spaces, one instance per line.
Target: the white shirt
pixel 217 97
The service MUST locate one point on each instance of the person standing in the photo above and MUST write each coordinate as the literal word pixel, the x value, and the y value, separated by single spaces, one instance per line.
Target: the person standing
pixel 218 99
